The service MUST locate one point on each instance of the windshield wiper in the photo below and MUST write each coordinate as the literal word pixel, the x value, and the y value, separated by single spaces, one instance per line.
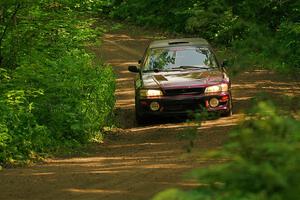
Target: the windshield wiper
pixel 190 67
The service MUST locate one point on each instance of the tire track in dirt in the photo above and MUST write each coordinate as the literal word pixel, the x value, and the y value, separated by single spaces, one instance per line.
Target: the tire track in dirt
pixel 135 162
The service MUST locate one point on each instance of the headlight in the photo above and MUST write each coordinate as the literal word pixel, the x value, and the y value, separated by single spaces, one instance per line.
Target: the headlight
pixel 150 93
pixel 217 88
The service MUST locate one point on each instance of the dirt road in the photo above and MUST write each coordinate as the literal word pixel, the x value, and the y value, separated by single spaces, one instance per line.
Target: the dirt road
pixel 135 162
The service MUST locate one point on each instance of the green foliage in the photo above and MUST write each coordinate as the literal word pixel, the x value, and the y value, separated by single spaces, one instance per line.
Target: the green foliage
pixel 263 32
pixel 171 14
pixel 46 28
pixel 52 95
pixel 78 97
pixel 20 134
pixel 288 37
pixel 98 6
pixel 263 162
pixel 214 21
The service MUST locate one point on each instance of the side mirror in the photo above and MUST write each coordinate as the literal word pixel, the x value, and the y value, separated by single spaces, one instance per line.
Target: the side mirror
pixel 133 69
pixel 225 63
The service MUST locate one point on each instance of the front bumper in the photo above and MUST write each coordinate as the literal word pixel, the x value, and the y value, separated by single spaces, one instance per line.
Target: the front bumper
pixel 184 105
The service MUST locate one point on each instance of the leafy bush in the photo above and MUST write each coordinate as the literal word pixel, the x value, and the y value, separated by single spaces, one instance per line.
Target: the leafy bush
pixel 288 37
pixel 21 137
pixel 154 13
pixel 52 95
pixel 77 96
pixel 98 6
pixel 263 162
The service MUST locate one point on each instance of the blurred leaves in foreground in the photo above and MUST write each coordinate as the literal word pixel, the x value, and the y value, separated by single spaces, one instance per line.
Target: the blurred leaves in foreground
pixel 263 162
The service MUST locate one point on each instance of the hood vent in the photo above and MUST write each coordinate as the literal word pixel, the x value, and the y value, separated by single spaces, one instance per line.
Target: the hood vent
pixel 179 42
pixel 160 78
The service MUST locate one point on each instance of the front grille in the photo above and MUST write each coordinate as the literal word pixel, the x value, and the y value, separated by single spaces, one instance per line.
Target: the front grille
pixel 184 91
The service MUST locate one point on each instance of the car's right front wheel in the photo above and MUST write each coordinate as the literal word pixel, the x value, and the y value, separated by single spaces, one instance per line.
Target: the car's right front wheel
pixel 229 112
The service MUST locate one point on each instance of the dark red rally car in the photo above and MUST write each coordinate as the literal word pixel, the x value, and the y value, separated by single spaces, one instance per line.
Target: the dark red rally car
pixel 180 76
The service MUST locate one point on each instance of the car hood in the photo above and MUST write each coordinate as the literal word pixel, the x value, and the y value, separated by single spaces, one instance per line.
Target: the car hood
pixel 179 79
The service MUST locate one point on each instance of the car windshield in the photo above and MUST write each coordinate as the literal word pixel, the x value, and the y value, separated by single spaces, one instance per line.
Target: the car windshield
pixel 165 59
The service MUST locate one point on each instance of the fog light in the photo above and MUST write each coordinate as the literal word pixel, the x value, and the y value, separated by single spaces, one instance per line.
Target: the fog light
pixel 154 106
pixel 214 102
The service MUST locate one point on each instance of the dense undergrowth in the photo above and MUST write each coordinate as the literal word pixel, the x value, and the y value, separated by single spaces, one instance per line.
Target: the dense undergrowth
pixel 257 33
pixel 52 95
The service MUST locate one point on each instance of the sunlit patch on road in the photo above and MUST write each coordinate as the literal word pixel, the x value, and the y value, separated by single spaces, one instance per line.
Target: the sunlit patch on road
pixel 94 191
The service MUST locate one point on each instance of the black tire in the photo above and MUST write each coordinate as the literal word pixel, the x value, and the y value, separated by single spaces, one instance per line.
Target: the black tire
pixel 229 112
pixel 138 118
pixel 141 119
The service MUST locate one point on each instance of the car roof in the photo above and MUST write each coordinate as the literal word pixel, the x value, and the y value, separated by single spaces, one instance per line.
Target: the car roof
pixel 199 42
